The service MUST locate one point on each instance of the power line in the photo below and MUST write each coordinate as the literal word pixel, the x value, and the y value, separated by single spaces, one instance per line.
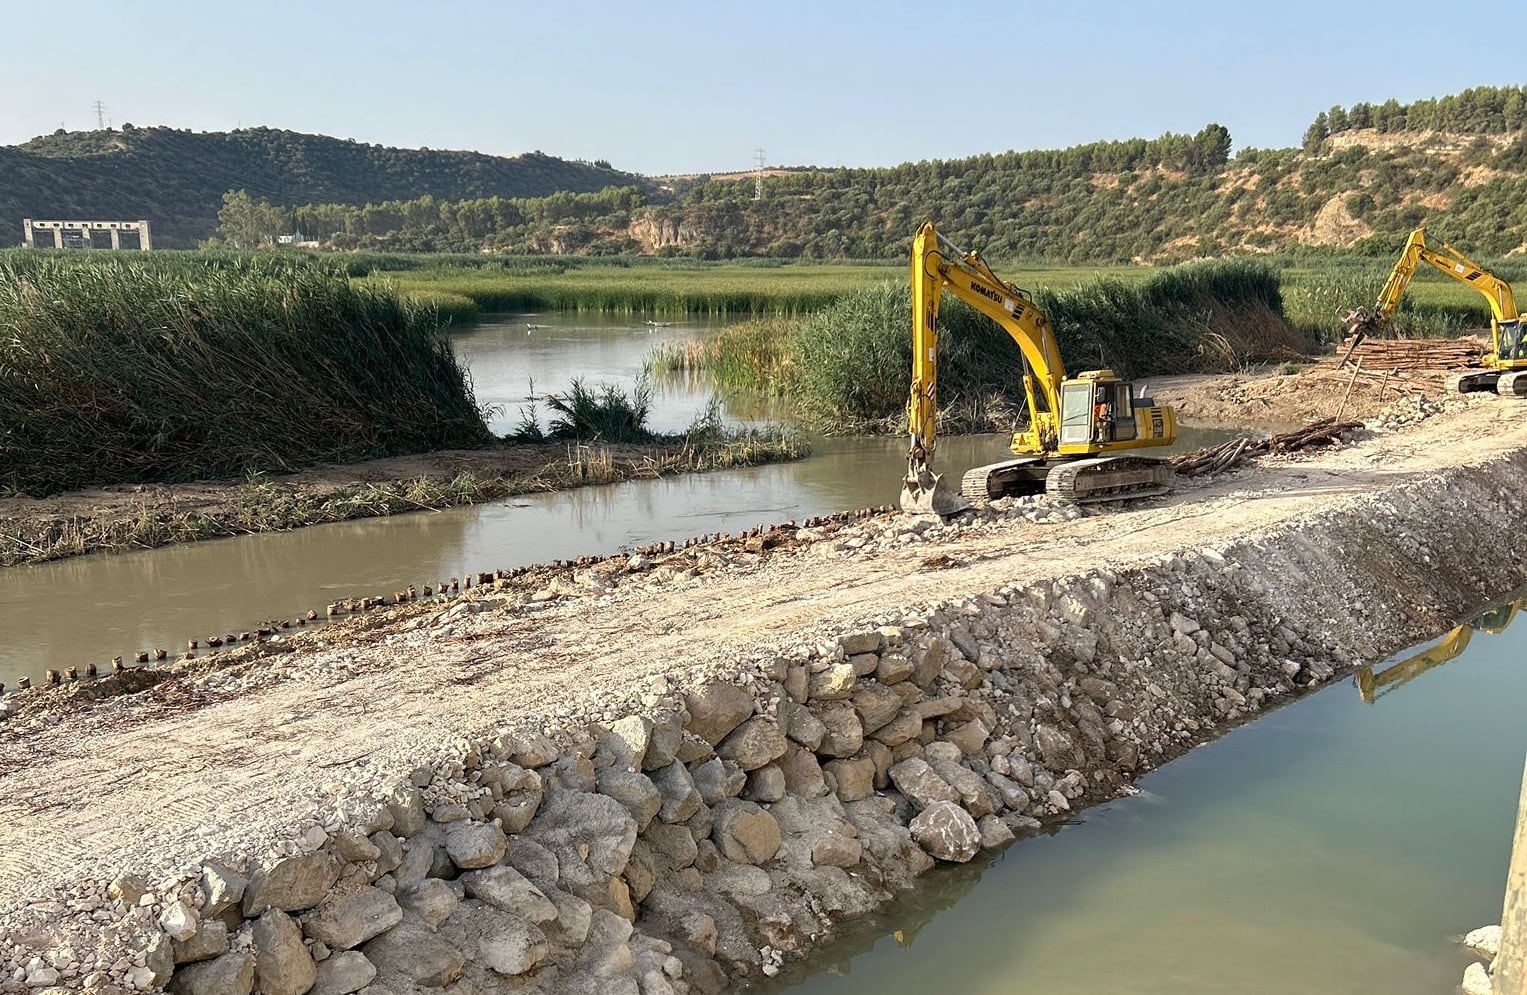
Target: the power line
pixel 758 162
pixel 100 115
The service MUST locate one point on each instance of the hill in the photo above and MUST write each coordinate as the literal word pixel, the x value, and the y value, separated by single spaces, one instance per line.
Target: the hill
pixel 1363 176
pixel 1361 190
pixel 177 178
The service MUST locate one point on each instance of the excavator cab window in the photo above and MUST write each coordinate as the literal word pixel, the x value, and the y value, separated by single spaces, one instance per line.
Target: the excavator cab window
pixel 1075 414
pixel 1512 344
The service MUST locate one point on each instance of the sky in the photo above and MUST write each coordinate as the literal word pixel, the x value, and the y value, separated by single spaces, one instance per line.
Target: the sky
pixel 669 87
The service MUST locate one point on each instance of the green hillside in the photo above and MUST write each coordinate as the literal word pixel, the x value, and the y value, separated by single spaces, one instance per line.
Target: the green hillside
pixel 177 178
pixel 1364 177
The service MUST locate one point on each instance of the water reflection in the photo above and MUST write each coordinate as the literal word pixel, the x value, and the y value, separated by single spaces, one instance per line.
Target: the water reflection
pixel 1372 686
pixel 1326 848
pixel 511 358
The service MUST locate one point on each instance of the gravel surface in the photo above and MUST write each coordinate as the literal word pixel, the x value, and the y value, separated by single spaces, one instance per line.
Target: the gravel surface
pixel 237 752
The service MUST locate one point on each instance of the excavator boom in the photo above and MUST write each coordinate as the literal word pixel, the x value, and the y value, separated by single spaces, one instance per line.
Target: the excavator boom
pixel 1372 685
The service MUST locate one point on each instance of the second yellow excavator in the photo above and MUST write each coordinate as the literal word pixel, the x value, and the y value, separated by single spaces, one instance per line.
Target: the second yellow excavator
pixel 1505 366
pixel 1076 425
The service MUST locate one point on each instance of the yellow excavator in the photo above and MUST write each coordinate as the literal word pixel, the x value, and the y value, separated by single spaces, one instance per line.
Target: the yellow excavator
pixel 1371 686
pixel 1075 424
pixel 1505 366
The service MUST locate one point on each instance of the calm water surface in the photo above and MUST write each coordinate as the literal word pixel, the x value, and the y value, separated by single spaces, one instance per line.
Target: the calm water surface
pixel 509 360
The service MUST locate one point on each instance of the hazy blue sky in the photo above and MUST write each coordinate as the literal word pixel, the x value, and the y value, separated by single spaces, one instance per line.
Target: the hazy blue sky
pixel 685 87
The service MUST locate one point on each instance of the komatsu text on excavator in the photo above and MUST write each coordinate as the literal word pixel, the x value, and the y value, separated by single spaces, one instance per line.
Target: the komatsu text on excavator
pixel 1505 366
pixel 1075 424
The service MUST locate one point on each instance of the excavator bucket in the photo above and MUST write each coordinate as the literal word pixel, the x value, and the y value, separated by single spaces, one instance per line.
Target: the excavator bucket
pixel 925 493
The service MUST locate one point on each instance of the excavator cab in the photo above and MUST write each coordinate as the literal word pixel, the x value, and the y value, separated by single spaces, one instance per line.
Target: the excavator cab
pixel 1096 408
pixel 1100 411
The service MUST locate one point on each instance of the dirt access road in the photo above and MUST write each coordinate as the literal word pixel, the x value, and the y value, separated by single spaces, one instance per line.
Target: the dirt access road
pixel 228 761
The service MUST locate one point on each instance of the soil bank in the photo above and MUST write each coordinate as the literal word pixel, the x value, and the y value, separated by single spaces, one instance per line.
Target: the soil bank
pixel 141 516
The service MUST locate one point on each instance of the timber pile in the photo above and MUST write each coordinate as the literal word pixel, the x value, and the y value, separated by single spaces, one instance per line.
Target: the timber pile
pixel 1213 459
pixel 1409 355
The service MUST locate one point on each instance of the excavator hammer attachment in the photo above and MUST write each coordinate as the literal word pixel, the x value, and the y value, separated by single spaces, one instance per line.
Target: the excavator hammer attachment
pixel 925 493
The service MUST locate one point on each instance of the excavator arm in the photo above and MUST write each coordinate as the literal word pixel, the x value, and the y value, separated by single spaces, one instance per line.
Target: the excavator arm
pixel 1371 684
pixel 939 265
pixel 1506 327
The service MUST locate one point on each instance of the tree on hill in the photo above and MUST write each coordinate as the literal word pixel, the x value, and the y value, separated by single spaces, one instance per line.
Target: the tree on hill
pixel 1482 110
pixel 246 223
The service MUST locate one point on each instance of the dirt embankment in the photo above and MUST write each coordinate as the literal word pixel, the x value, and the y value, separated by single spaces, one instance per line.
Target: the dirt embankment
pixel 1298 394
pixel 237 750
pixel 142 516
pixel 1098 644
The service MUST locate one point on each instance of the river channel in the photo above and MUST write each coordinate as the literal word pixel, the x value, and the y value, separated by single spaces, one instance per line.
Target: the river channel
pixel 88 609
pixel 1335 845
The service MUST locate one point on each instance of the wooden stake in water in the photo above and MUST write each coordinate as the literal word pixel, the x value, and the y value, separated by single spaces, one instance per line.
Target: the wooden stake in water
pixel 1511 961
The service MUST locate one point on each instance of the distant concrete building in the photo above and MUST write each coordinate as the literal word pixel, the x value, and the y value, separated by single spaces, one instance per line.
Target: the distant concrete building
pixel 81 234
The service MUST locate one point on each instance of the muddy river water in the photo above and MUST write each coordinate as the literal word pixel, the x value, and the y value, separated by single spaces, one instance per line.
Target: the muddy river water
pixel 1333 846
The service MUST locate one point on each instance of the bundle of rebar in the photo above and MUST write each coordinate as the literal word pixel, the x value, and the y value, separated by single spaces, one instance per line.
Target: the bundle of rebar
pixel 1214 459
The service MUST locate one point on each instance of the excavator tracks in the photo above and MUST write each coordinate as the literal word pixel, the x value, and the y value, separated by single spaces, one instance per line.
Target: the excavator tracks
pixel 1504 384
pixel 1107 478
pixel 1512 384
pixel 1004 479
pixel 1110 478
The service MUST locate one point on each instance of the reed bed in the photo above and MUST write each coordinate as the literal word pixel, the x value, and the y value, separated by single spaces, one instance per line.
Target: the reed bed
pixel 602 412
pixel 846 366
pixel 130 369
pixel 700 288
pixel 1317 301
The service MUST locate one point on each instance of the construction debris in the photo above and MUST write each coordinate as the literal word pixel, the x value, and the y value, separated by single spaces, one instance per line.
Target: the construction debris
pixel 1213 459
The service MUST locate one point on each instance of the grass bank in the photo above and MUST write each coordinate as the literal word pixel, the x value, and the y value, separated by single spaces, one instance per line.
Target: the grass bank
pixel 145 518
pixel 181 366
